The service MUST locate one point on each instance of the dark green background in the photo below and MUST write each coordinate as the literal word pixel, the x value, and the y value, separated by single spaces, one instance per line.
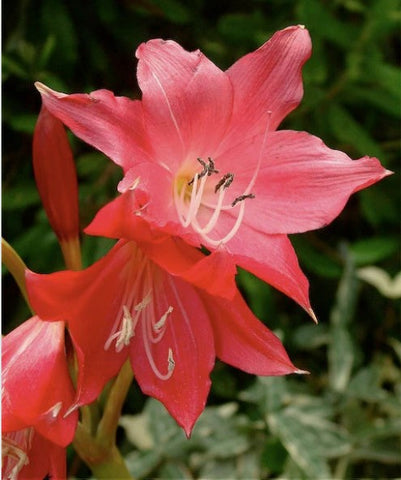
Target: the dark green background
pixel 342 420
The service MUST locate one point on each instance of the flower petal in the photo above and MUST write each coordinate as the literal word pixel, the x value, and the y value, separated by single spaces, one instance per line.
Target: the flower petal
pixel 214 273
pixel 90 302
pixel 44 459
pixel 187 342
pixel 243 341
pixel 304 185
pixel 187 101
pixel 273 259
pixel 267 83
pixel 114 125
pixel 36 350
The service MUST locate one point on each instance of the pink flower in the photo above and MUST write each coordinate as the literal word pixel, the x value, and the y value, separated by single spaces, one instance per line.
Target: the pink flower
pixel 202 158
pixel 36 394
pixel 159 307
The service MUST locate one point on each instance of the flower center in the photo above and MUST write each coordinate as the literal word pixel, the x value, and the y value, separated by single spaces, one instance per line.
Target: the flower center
pixel 15 448
pixel 138 306
pixel 206 191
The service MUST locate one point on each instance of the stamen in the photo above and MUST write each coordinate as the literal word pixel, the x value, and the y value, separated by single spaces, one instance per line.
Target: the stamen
pixel 160 324
pixel 134 184
pixel 211 168
pixel 15 448
pixel 189 214
pixel 241 198
pixel 208 169
pixel 144 303
pixel 170 360
pixel 128 324
pixel 54 410
pixel 225 182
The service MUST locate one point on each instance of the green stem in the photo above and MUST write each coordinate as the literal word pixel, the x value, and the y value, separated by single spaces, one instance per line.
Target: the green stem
pixel 105 462
pixel 107 428
pixel 71 249
pixel 15 266
pixel 100 453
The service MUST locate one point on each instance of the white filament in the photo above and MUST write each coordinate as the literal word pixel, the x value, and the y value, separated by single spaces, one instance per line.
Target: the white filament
pixel 189 213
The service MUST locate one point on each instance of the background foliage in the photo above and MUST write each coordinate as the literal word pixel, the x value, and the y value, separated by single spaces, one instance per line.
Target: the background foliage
pixel 341 421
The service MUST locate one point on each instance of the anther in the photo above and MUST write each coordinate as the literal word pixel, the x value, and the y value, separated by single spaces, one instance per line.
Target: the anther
pixel 170 360
pixel 208 169
pixel 225 182
pixel 211 168
pixel 160 324
pixel 241 198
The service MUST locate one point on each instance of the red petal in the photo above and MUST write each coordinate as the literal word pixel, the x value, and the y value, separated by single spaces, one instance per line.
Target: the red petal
pixel 55 175
pixel 189 336
pixel 45 459
pixel 35 350
pixel 243 341
pixel 187 101
pixel 303 184
pixel 90 301
pixel 114 125
pixel 267 83
pixel 214 273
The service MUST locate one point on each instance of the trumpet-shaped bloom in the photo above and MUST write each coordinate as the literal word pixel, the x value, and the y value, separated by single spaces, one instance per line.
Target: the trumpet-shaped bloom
pixel 27 454
pixel 133 304
pixel 202 158
pixel 37 392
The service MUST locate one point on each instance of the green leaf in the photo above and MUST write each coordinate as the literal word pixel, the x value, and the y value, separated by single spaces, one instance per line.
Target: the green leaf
pixel 341 349
pixel 309 439
pixel 374 249
pixel 174 471
pixel 313 259
pixel 350 132
pixel 365 385
pixel 142 464
pixel 322 23
pixel 274 455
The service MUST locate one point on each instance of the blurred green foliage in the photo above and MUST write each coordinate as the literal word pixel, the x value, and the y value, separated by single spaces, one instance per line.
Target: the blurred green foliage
pixel 341 421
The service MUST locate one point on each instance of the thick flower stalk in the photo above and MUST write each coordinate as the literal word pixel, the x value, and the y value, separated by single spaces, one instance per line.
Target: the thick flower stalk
pixel 170 310
pixel 56 179
pixel 202 158
pixel 37 394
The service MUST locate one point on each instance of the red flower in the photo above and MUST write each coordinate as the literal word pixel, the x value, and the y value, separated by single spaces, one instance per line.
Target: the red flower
pixel 36 394
pixel 27 454
pixel 148 305
pixel 202 159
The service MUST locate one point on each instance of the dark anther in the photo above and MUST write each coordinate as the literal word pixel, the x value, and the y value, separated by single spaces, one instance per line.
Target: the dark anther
pixel 211 168
pixel 242 197
pixel 225 182
pixel 208 169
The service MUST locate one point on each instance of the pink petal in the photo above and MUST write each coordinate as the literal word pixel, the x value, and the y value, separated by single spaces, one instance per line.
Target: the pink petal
pixel 267 83
pixel 187 101
pixel 114 125
pixel 189 337
pixel 303 185
pixel 35 350
pixel 273 259
pixel 243 341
